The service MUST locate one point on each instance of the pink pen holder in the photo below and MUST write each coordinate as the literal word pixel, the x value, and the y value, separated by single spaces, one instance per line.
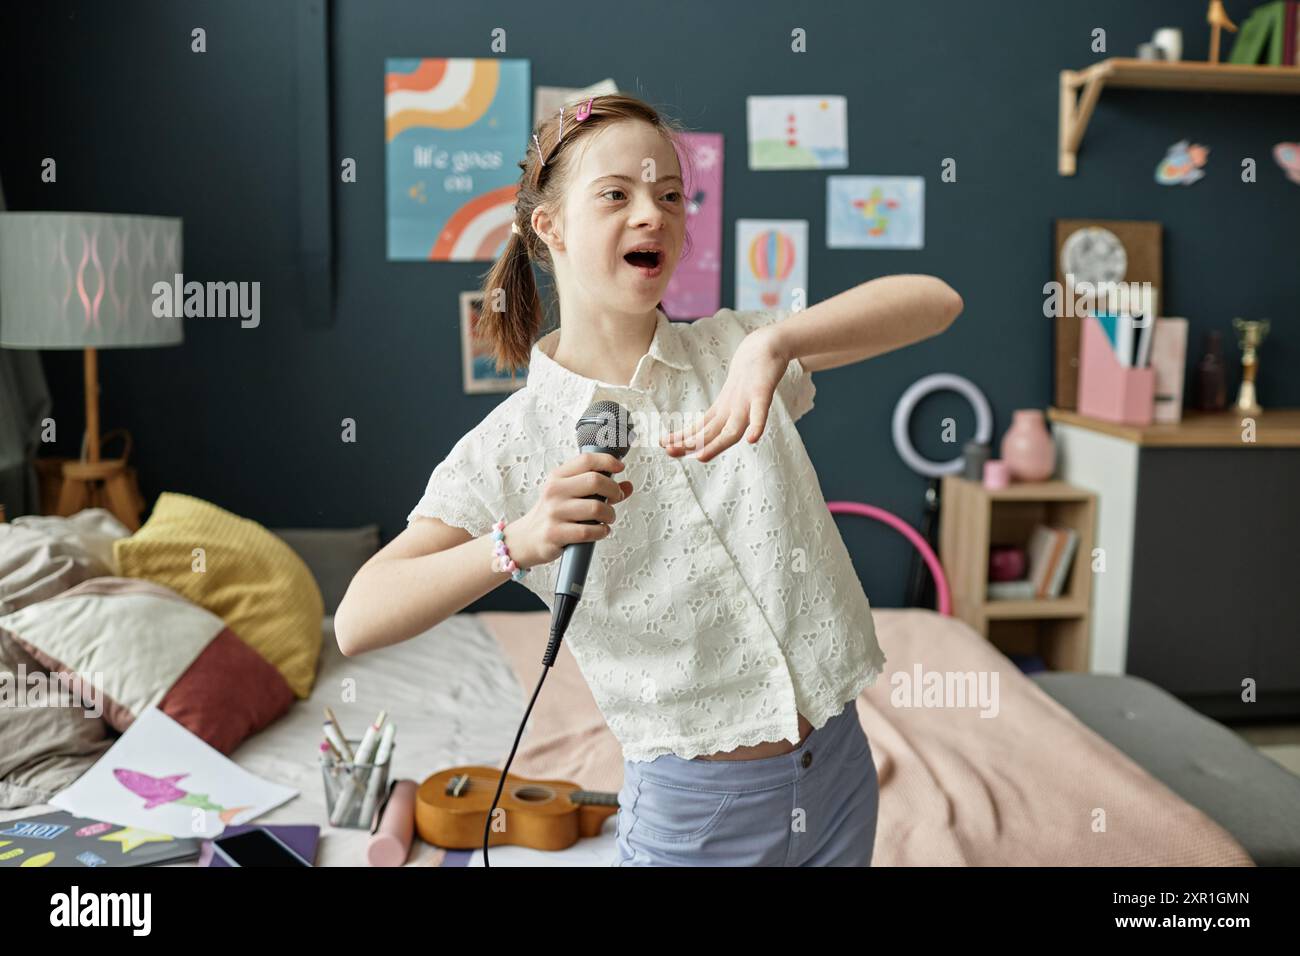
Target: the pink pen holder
pixel 1107 389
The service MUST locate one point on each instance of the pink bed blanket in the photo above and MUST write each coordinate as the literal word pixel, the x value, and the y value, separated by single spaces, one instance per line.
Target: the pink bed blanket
pixel 1026 785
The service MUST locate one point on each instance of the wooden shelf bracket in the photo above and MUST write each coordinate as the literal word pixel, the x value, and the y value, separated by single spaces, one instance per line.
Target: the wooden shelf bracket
pixel 1076 111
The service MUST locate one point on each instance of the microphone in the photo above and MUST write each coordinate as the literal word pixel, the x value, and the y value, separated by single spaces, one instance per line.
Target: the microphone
pixel 603 428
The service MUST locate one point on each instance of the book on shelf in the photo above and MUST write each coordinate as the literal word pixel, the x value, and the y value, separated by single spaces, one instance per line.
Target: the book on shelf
pixel 1261 37
pixel 1018 590
pixel 1051 553
pixel 1289 36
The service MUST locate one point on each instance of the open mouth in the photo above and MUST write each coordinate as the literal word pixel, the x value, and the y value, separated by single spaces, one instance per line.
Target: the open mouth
pixel 648 261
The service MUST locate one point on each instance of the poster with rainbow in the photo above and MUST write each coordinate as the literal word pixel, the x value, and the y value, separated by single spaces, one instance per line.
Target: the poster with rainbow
pixel 455 130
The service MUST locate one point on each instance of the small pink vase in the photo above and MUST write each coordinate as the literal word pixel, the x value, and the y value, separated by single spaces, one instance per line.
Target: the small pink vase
pixel 1027 448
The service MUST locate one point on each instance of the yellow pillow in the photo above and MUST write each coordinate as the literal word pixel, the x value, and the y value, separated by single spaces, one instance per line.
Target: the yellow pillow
pixel 246 575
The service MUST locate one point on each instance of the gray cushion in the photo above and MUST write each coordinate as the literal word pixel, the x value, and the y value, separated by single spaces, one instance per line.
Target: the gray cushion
pixel 1254 798
pixel 334 556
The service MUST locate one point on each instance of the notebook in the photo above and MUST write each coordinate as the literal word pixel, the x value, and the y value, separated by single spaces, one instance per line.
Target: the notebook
pixel 61 839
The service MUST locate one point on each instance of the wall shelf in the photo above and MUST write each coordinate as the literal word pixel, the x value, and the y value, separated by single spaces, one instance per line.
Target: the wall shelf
pixel 1080 89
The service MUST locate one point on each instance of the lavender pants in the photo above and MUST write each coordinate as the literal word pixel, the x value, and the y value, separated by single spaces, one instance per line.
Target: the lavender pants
pixel 813 806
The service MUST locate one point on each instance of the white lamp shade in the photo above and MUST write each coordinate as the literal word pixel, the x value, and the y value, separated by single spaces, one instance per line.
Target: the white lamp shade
pixel 85 280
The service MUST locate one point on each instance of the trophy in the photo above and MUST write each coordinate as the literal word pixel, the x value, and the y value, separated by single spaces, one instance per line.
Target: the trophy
pixel 1249 337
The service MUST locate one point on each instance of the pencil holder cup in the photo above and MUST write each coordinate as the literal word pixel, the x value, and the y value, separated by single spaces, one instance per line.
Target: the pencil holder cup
pixel 354 791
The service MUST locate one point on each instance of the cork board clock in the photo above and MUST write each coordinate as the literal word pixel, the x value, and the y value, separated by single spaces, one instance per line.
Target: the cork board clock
pixel 1096 251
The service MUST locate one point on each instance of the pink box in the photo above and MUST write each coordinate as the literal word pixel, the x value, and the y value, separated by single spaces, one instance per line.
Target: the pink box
pixel 1108 390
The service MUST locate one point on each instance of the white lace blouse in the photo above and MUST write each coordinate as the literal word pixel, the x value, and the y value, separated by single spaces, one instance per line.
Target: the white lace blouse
pixel 724 603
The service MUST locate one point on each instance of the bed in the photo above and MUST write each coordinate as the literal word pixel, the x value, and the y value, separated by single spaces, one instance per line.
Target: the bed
pixel 956 789
pixel 1071 770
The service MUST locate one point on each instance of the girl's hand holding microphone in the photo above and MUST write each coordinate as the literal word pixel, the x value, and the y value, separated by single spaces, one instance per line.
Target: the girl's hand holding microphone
pixel 554 521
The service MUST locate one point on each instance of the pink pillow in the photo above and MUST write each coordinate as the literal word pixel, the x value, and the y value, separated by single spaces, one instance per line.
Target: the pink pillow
pixel 136 644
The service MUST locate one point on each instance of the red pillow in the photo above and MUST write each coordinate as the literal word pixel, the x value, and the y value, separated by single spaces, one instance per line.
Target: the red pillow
pixel 230 693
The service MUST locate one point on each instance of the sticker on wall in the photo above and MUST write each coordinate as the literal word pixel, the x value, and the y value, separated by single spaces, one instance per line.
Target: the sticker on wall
pixel 455 131
pixel 771 263
pixel 696 287
pixel 1183 164
pixel 1288 157
pixel 797 132
pixel 875 212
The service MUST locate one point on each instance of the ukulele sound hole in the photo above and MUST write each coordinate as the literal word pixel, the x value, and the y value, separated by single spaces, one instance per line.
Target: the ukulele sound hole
pixel 533 794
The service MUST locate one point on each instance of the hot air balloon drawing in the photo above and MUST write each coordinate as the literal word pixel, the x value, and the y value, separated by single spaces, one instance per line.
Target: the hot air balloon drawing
pixel 771 258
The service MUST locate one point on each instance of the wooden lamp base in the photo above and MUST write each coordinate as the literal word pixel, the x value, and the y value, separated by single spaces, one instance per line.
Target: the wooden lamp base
pixel 70 484
pixel 108 483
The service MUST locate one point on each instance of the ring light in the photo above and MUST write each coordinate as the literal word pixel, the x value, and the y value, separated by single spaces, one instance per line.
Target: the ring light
pixel 907 404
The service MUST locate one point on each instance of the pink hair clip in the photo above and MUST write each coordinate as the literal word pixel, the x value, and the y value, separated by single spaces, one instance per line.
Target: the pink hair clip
pixel 583 112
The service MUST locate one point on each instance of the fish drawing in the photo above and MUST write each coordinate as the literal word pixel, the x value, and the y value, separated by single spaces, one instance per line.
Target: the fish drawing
pixel 157 791
pixel 1182 164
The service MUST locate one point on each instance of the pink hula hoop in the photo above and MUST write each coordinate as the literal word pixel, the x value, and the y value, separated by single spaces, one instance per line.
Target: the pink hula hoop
pixel 911 534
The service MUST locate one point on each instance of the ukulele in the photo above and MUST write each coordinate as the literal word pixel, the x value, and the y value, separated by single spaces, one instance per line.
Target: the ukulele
pixel 451 810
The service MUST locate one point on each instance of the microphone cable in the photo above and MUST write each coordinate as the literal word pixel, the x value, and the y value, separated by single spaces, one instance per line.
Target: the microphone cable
pixel 559 621
pixel 566 600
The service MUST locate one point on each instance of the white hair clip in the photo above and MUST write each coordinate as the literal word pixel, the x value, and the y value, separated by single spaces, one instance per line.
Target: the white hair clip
pixel 514 227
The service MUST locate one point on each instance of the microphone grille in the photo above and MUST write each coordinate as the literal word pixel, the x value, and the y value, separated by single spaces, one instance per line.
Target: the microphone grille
pixel 606 424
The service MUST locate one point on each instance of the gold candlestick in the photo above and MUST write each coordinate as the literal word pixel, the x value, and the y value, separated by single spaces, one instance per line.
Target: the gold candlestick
pixel 1250 335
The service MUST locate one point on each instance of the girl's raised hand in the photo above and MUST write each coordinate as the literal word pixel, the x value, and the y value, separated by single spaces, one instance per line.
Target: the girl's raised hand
pixel 741 407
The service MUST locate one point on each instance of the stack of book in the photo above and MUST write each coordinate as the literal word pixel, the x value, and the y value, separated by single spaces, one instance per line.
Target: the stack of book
pixel 1270 35
pixel 1051 552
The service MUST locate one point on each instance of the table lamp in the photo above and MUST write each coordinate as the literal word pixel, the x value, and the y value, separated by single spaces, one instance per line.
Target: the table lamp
pixel 82 280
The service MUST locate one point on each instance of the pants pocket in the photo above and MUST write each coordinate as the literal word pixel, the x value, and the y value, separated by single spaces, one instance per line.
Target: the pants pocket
pixel 673 813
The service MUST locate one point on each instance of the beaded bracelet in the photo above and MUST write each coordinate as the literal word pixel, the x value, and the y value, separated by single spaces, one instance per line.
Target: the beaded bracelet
pixel 501 560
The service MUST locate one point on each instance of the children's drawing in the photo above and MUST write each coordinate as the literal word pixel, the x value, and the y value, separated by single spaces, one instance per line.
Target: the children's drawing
pixel 798 132
pixel 157 791
pixel 771 263
pixel 136 784
pixel 875 212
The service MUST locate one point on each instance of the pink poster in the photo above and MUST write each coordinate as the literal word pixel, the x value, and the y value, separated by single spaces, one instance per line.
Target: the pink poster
pixel 695 289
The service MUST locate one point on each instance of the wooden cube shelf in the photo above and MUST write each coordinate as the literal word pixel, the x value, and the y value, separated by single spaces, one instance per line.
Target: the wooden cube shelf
pixel 974 519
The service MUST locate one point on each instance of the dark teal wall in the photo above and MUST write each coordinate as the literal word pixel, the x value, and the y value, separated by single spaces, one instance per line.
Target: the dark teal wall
pixel 250 418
